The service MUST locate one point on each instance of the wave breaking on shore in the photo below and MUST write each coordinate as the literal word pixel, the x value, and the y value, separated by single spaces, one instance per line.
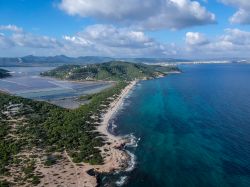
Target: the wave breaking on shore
pixel 116 157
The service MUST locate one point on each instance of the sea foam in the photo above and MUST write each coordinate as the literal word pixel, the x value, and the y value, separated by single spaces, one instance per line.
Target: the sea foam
pixel 131 163
pixel 121 181
pixel 132 141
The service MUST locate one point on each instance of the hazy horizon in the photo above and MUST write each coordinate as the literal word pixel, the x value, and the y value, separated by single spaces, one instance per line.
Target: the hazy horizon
pixel 135 57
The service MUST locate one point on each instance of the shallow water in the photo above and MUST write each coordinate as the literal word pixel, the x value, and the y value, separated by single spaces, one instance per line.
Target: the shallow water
pixel 26 82
pixel 194 129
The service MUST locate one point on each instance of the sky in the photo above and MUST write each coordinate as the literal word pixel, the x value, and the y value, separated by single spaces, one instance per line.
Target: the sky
pixel 194 29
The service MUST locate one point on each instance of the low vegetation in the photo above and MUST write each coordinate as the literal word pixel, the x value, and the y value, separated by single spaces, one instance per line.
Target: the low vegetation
pixel 31 130
pixel 110 71
pixel 35 135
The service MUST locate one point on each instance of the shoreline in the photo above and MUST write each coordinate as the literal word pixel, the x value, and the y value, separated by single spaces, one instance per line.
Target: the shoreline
pixel 115 158
pixel 112 109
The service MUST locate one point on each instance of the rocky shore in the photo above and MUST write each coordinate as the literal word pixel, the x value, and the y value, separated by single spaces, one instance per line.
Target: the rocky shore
pixel 115 158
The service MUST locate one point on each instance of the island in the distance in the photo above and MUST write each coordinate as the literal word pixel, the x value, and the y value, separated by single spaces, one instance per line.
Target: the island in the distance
pixel 43 144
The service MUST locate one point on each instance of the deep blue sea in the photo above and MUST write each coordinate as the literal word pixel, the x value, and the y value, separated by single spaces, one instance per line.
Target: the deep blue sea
pixel 193 128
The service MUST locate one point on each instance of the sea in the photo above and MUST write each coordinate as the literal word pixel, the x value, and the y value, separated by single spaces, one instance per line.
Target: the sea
pixel 187 130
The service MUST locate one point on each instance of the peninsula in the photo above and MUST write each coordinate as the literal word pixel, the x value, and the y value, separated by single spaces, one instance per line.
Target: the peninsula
pixel 43 144
pixel 110 71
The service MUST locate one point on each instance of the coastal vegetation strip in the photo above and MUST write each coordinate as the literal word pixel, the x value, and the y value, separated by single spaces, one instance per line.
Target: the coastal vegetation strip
pixel 110 71
pixel 36 135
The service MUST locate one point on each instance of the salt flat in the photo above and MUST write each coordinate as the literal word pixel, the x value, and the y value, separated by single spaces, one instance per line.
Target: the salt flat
pixel 26 82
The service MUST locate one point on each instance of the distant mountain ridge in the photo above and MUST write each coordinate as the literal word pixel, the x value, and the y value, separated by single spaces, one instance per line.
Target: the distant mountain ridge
pixel 63 60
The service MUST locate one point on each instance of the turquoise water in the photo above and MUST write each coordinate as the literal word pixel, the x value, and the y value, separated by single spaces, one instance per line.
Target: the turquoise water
pixel 193 128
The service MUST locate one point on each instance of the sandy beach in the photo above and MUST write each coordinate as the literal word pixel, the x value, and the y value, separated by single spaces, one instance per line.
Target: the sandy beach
pixel 113 108
pixel 114 158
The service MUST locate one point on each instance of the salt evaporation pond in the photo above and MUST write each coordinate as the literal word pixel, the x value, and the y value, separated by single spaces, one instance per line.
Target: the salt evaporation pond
pixel 26 82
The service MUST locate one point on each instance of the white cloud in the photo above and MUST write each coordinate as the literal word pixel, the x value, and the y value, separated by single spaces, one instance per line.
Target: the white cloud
pixel 34 41
pixel 116 37
pixel 233 43
pixel 237 3
pixel 113 41
pixel 146 14
pixel 242 16
pixel 12 28
pixel 195 38
pixel 103 40
pixel 16 37
pixel 77 40
pixel 108 40
pixel 5 42
pixel 237 37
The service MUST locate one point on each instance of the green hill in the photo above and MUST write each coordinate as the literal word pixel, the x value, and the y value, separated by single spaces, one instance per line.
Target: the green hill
pixel 115 71
pixel 4 73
